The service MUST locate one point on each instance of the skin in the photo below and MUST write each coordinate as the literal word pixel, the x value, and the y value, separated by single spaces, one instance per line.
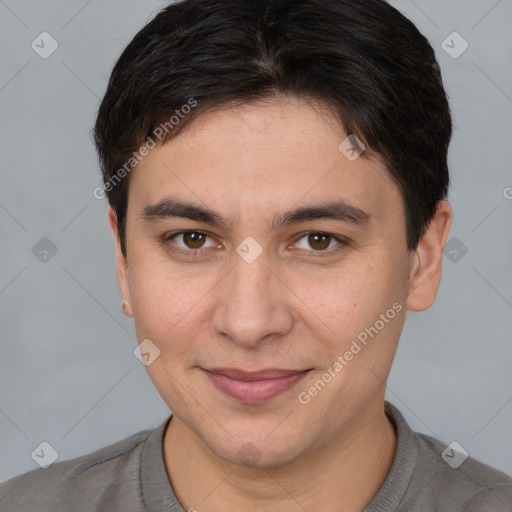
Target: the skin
pixel 297 306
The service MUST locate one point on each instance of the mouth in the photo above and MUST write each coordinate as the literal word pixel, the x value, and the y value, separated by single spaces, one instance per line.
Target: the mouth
pixel 254 387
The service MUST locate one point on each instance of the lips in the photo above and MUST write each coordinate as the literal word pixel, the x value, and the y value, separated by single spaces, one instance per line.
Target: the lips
pixel 272 373
pixel 254 387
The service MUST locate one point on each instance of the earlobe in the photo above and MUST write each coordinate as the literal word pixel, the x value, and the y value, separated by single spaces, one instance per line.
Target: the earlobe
pixel 426 266
pixel 121 264
pixel 126 309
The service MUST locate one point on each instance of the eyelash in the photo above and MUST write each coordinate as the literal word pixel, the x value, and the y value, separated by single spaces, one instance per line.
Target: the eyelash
pixel 199 252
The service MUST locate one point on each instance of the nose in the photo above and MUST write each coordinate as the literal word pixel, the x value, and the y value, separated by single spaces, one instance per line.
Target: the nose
pixel 252 305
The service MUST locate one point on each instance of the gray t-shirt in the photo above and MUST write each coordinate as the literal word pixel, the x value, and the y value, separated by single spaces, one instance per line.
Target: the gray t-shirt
pixel 130 476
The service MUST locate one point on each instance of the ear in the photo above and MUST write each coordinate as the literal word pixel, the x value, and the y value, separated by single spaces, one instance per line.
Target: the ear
pixel 425 276
pixel 121 263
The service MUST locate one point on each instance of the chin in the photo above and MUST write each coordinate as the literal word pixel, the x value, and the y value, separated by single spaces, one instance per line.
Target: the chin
pixel 258 451
pixel 250 456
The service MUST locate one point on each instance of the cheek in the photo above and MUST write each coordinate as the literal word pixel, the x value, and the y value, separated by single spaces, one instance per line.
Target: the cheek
pixel 167 302
pixel 345 306
pixel 339 300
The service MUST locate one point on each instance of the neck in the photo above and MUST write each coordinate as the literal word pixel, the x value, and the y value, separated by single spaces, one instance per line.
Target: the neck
pixel 347 471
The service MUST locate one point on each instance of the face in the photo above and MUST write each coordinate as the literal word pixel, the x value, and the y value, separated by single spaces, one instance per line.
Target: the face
pixel 271 272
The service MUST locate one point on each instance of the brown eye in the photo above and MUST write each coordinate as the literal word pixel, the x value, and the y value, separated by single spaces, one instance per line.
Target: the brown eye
pixel 319 241
pixel 194 239
pixel 189 242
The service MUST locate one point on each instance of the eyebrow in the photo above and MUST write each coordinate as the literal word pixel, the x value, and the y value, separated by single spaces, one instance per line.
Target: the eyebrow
pixel 338 210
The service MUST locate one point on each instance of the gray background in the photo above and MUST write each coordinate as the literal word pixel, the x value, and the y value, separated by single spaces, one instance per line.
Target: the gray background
pixel 67 370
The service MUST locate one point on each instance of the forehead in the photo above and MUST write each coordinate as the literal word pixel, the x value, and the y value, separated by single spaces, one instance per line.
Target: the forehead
pixel 258 158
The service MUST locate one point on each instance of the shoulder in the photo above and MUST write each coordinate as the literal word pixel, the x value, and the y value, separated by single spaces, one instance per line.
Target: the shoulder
pixel 80 484
pixel 428 475
pixel 462 480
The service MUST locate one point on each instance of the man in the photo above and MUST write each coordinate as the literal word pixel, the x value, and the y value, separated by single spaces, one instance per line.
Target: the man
pixel 277 179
